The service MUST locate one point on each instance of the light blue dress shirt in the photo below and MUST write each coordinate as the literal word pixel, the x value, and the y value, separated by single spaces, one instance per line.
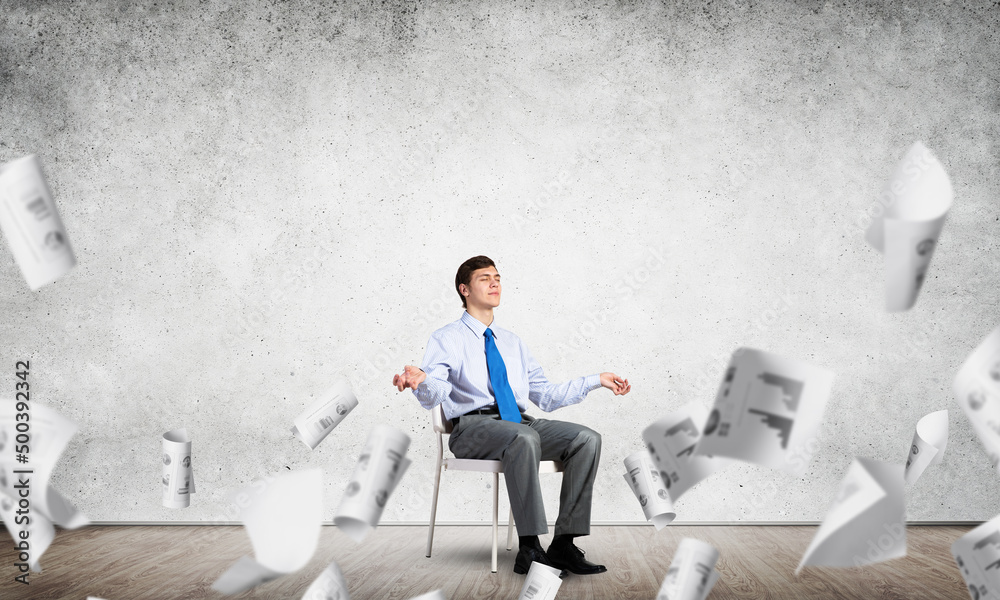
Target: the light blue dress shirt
pixel 455 364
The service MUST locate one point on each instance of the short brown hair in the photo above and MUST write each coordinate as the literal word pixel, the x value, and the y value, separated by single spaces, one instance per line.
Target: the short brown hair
pixel 464 274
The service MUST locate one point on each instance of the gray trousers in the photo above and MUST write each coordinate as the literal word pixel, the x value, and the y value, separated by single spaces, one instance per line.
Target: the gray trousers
pixel 520 447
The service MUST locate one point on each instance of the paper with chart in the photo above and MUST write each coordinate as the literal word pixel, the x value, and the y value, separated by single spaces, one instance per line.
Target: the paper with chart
pixel 977 555
pixel 31 223
pixel 541 583
pixel 380 467
pixel 692 573
pixel 866 522
pixel 767 411
pixel 178 475
pixel 49 433
pixel 977 390
pixel 320 417
pixel 40 532
pixel 929 442
pixel 916 201
pixel 330 585
pixel 283 518
pixel 644 479
pixel 671 442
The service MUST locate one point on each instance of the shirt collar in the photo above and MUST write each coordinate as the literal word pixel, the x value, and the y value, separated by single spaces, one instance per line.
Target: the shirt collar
pixel 475 324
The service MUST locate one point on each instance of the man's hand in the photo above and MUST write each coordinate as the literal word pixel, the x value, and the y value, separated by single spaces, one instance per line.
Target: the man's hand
pixel 616 384
pixel 413 376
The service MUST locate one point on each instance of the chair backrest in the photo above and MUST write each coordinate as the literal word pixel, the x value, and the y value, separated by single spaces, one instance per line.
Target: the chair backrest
pixel 441 424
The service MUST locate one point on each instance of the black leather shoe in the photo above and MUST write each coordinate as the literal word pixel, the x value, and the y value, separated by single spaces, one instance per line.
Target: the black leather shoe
pixel 525 556
pixel 569 557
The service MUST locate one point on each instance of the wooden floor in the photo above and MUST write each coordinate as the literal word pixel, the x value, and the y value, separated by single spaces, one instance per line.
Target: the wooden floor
pixel 136 562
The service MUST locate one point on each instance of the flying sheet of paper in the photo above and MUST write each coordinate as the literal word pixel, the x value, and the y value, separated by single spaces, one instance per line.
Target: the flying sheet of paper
pixel 866 523
pixel 435 595
pixel 929 442
pixel 283 519
pixel 977 555
pixel 767 411
pixel 692 573
pixel 31 223
pixel 916 201
pixel 541 583
pixel 977 390
pixel 671 441
pixel 644 479
pixel 178 475
pixel 320 417
pixel 380 467
pixel 49 434
pixel 40 532
pixel 330 585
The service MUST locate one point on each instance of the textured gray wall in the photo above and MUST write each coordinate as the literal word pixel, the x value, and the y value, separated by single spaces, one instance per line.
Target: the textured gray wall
pixel 264 197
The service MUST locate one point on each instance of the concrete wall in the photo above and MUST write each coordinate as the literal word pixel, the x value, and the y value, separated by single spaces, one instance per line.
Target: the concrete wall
pixel 266 196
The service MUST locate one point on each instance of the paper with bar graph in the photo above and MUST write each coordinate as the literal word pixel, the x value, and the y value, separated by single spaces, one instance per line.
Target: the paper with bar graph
pixel 977 555
pixel 379 469
pixel 767 411
pixel 320 417
pixel 671 441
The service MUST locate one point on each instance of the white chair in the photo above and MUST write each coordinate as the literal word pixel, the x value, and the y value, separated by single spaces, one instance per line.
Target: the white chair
pixel 442 427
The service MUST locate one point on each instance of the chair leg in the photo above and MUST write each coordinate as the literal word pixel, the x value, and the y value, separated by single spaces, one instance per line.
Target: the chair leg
pixel 510 530
pixel 496 517
pixel 434 501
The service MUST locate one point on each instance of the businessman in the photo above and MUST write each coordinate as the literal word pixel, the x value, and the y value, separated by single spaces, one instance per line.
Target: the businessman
pixel 483 376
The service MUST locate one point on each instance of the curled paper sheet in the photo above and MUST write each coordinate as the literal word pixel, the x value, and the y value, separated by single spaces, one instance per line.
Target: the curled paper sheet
pixel 49 433
pixel 977 390
pixel 929 442
pixel 282 518
pixel 977 555
pixel 40 530
pixel 320 417
pixel 767 411
pixel 435 595
pixel 380 467
pixel 692 573
pixel 916 201
pixel 330 585
pixel 671 442
pixel 647 485
pixel 178 475
pixel 541 583
pixel 31 223
pixel 866 523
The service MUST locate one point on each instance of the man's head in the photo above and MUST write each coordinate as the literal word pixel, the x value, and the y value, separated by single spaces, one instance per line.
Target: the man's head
pixel 478 279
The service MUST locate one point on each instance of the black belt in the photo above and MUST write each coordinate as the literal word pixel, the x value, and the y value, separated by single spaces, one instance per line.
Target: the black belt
pixel 492 409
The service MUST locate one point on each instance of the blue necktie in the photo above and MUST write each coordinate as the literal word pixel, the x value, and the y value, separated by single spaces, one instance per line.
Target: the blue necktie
pixel 498 378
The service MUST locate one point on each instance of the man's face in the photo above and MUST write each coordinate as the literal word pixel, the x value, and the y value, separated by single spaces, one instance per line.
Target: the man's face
pixel 483 289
